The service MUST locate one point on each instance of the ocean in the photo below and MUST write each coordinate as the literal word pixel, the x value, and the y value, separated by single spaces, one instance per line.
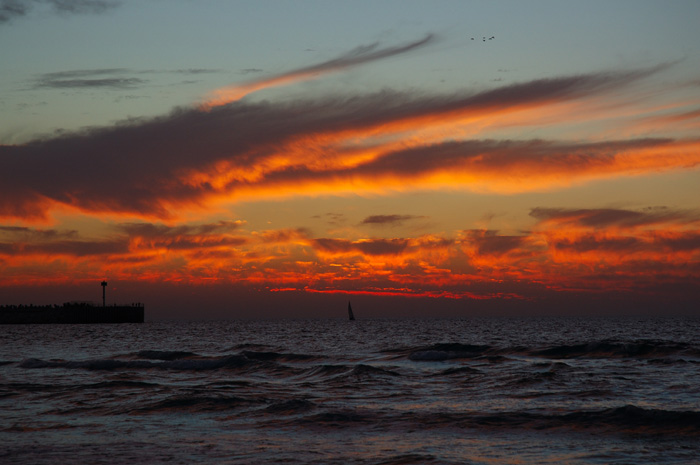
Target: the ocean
pixel 370 391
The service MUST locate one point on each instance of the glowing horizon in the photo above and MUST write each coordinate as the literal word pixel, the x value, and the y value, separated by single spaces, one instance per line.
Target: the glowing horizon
pixel 522 188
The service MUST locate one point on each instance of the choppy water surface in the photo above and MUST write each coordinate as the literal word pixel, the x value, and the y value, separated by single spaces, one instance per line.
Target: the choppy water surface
pixel 479 391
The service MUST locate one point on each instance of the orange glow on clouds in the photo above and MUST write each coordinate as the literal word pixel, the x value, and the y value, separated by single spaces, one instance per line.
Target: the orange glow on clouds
pixel 376 158
pixel 589 250
pixel 233 93
pixel 197 164
pixel 375 144
pixel 497 168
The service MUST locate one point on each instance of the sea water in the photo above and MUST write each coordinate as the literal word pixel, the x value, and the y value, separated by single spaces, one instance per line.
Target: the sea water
pixel 437 391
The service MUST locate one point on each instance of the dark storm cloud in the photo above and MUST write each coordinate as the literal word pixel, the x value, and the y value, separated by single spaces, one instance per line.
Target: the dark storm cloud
pixel 606 217
pixel 143 166
pixel 390 220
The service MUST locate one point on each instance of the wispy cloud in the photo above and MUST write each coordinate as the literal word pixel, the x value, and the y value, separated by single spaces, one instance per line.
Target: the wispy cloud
pixel 619 248
pixel 159 236
pixel 110 78
pixel 11 9
pixel 81 73
pixel 489 242
pixel 82 6
pixel 355 57
pixel 30 242
pixel 126 240
pixel 607 217
pixel 22 233
pixel 113 83
pixel 367 247
pixel 388 220
pixel 105 78
pixel 198 71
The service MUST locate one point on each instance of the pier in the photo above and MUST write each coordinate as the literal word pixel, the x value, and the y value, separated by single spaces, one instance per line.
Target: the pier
pixel 73 313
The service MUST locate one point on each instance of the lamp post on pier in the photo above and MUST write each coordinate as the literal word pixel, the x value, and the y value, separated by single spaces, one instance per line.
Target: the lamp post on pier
pixel 104 285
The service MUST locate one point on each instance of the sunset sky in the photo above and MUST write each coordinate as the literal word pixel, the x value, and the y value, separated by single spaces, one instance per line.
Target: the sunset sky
pixel 269 158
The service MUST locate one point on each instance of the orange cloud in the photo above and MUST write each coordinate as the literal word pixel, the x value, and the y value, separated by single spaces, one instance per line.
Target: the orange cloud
pixel 135 174
pixel 582 250
pixel 190 160
pixel 678 118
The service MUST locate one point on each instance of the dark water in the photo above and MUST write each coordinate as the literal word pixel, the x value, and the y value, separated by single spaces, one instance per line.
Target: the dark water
pixel 476 391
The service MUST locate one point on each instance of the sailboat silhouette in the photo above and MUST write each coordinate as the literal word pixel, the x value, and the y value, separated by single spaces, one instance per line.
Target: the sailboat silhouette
pixel 351 316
